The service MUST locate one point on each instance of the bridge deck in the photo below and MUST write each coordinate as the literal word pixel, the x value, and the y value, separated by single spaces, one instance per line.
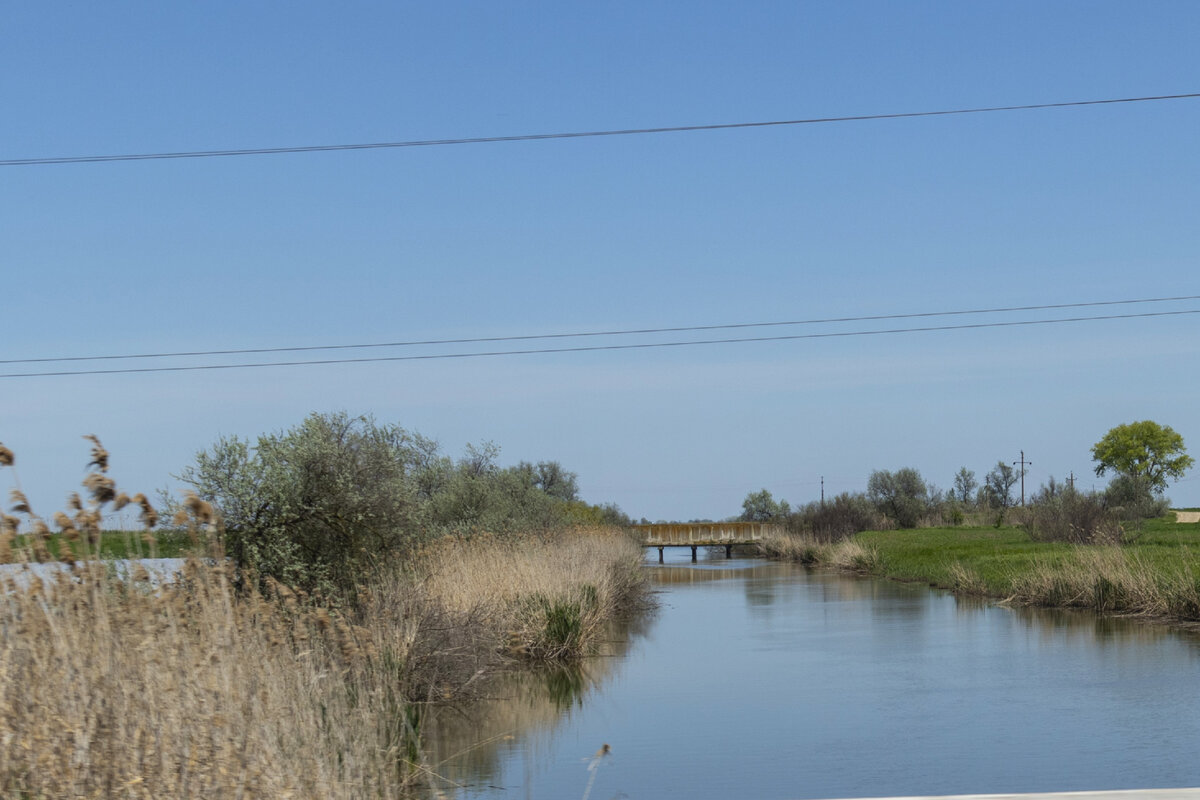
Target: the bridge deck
pixel 705 534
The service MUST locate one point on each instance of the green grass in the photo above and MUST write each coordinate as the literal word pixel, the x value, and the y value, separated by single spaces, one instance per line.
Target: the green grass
pixel 1000 557
pixel 114 544
pixel 1156 575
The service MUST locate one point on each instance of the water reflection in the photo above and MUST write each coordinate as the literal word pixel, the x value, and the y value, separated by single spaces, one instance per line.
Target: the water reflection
pixel 466 744
pixel 769 680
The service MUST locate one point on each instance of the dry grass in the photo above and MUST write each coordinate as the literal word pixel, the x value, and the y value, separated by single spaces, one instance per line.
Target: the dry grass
pixel 1112 580
pixel 965 580
pixel 115 690
pixel 120 688
pixel 549 597
pixel 847 554
pixel 111 689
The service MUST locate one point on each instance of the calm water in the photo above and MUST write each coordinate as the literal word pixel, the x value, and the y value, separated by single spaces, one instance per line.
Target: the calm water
pixel 762 680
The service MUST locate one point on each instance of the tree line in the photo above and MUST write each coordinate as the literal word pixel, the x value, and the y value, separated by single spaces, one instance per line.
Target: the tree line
pixel 1141 456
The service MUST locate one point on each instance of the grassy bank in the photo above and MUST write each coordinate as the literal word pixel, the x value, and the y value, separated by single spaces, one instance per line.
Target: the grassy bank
pixel 198 689
pixel 169 543
pixel 1158 575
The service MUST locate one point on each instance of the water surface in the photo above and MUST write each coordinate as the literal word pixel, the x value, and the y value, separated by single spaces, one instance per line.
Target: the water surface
pixel 762 680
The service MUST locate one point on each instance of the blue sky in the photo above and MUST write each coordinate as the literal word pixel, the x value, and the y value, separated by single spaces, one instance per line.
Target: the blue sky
pixel 849 219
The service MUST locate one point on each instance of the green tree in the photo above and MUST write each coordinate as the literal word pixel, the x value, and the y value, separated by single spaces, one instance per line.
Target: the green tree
pixel 901 496
pixel 1143 451
pixel 964 485
pixel 761 507
pixel 998 486
pixel 316 505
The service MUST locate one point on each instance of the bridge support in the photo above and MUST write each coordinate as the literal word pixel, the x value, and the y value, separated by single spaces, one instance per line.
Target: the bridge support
pixel 729 551
pixel 660 554
pixel 693 554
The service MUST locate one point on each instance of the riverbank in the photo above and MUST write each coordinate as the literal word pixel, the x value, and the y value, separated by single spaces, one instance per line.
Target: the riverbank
pixel 123 688
pixel 1157 576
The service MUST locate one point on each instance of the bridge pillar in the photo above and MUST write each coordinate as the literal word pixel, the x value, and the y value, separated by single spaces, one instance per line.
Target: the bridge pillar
pixel 660 554
pixel 693 554
pixel 729 551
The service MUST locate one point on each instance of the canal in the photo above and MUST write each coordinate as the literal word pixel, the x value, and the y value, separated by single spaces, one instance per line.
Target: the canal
pixel 762 680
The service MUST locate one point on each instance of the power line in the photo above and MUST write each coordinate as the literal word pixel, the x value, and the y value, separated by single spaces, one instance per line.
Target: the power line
pixel 623 332
pixel 596 348
pixel 531 137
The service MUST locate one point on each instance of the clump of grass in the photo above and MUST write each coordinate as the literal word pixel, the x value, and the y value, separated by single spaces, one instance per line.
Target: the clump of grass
pixel 846 554
pixel 1111 580
pixel 547 597
pixel 966 580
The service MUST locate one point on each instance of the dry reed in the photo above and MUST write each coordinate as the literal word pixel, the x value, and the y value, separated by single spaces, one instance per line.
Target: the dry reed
pixel 847 554
pixel 208 687
pixel 1111 580
pixel 111 689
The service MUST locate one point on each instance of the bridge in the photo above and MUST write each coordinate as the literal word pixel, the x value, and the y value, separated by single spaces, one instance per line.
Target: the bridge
pixel 704 534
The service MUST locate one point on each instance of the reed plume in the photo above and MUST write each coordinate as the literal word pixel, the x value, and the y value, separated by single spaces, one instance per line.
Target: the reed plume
pixel 101 487
pixel 99 454
pixel 20 502
pixel 6 456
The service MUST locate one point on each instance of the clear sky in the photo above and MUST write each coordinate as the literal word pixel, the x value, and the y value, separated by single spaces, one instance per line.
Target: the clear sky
pixel 848 219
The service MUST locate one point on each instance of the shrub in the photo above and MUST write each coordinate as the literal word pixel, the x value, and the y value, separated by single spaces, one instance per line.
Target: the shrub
pixel 320 505
pixel 314 506
pixel 1133 500
pixel 839 518
pixel 1071 516
pixel 901 496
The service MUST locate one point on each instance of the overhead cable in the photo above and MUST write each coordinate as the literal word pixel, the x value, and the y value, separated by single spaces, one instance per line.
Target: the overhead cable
pixel 531 137
pixel 621 332
pixel 596 348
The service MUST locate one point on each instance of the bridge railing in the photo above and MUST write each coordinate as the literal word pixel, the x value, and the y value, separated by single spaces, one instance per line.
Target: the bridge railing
pixel 705 533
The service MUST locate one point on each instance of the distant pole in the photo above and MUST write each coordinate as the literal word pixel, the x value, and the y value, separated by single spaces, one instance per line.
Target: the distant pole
pixel 1071 480
pixel 822 490
pixel 1023 464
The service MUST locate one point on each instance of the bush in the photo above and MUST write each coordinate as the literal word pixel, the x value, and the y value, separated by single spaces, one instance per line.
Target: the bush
pixel 314 506
pixel 839 518
pixel 319 505
pixel 1133 500
pixel 901 496
pixel 1075 517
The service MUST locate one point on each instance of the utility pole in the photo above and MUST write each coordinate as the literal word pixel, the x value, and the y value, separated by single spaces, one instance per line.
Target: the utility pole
pixel 1023 464
pixel 822 491
pixel 1071 480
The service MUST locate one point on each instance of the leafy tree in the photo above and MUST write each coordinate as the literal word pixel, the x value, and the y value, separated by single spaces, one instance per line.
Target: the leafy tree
pixel 551 478
pixel 998 486
pixel 761 507
pixel 901 496
pixel 964 485
pixel 1143 450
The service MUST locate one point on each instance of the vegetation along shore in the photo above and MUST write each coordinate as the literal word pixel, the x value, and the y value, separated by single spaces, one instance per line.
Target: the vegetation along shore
pixel 340 578
pixel 1114 551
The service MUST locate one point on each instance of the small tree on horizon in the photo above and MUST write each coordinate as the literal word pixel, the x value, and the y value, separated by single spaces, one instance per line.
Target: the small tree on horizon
pixel 964 486
pixel 901 496
pixel 998 486
pixel 760 506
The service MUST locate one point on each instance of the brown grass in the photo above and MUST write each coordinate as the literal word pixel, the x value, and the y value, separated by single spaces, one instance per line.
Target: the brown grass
pixel 847 554
pixel 118 690
pixel 112 688
pixel 1111 580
